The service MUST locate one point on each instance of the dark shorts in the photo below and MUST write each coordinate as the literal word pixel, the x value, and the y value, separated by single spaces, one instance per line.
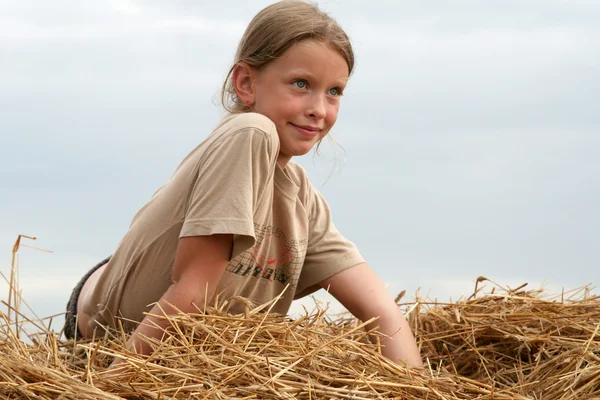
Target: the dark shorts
pixel 71 330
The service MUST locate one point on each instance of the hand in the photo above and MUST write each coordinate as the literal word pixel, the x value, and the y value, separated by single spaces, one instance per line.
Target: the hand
pixel 113 374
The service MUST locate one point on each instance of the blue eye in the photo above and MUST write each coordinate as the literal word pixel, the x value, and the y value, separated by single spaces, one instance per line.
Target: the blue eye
pixel 300 83
pixel 334 92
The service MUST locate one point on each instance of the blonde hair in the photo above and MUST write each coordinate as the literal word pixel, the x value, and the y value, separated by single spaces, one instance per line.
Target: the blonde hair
pixel 274 30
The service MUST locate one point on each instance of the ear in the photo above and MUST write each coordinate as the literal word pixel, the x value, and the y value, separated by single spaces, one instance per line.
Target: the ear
pixel 243 82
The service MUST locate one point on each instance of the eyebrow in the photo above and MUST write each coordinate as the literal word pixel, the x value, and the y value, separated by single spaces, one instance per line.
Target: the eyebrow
pixel 302 72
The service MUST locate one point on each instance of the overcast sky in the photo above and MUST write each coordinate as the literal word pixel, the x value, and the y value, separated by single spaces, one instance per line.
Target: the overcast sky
pixel 471 133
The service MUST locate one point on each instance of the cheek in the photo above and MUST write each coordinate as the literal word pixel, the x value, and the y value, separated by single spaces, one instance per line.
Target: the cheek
pixel 332 113
pixel 292 104
pixel 279 105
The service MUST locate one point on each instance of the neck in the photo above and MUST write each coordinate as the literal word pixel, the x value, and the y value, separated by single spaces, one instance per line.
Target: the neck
pixel 283 160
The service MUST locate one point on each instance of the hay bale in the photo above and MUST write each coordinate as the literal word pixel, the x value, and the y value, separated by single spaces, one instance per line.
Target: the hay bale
pixel 547 347
pixel 508 345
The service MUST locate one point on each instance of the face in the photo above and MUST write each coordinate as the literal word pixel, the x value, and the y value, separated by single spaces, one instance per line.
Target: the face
pixel 300 92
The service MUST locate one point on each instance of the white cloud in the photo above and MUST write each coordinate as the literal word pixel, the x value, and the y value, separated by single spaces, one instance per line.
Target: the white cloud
pixel 423 63
pixel 42 287
pixel 121 21
pixel 455 289
pixel 471 131
pixel 127 7
pixel 199 25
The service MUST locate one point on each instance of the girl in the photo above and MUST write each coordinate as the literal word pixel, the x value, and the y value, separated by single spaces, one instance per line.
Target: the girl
pixel 238 218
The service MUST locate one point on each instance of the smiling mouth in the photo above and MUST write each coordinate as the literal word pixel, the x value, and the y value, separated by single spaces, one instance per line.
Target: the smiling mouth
pixel 308 131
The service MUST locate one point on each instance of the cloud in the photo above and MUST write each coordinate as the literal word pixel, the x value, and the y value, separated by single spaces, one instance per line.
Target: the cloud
pixel 468 15
pixel 117 20
pixel 455 289
pixel 39 289
pixel 199 25
pixel 127 7
pixel 471 131
pixel 44 280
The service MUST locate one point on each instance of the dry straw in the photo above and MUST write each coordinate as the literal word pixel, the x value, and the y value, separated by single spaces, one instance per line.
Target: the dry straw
pixel 507 344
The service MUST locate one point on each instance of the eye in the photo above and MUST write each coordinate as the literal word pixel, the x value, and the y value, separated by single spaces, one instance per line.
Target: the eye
pixel 300 83
pixel 335 92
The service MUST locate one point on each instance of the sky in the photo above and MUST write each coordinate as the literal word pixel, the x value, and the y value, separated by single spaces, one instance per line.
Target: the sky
pixel 470 134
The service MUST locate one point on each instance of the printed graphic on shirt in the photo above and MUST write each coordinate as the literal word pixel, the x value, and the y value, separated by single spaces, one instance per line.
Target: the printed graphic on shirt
pixel 274 257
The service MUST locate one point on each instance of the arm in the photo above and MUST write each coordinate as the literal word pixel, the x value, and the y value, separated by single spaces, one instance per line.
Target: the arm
pixel 361 291
pixel 232 173
pixel 199 265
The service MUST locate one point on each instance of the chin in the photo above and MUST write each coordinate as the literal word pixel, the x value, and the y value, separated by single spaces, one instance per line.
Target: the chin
pixel 297 151
pixel 302 152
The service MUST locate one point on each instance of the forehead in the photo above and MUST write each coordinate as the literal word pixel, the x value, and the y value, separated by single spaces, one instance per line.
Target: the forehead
pixel 314 57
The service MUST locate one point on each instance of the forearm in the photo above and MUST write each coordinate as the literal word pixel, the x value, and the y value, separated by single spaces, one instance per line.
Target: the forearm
pixel 396 338
pixel 200 262
pixel 179 297
pixel 361 291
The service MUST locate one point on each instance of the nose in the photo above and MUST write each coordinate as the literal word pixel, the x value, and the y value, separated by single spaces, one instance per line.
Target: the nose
pixel 317 107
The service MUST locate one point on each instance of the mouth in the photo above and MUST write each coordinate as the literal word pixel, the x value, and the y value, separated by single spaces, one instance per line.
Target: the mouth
pixel 310 131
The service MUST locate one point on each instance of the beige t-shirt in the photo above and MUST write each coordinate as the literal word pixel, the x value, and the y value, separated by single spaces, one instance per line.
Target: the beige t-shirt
pixel 230 183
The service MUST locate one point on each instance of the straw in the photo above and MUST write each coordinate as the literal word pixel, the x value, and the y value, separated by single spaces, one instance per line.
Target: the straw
pixel 502 344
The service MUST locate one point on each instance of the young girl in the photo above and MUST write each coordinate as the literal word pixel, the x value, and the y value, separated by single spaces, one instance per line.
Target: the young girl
pixel 238 218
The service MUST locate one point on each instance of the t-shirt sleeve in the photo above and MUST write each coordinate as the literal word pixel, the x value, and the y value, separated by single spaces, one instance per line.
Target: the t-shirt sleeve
pixel 229 185
pixel 328 251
